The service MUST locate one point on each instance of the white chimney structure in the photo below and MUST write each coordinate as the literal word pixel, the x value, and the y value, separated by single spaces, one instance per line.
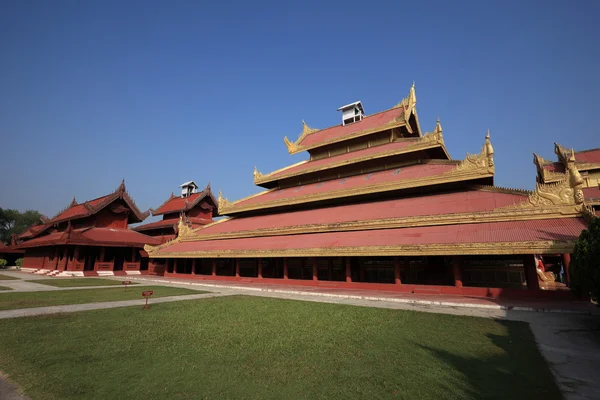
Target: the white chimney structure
pixel 352 112
pixel 188 188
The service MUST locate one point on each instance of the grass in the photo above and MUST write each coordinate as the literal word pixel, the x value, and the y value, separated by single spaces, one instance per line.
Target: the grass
pixel 7 278
pixel 259 348
pixel 79 282
pixel 11 301
pixel 5 288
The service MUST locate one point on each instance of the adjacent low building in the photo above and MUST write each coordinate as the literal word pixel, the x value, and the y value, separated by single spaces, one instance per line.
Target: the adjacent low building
pixel 89 238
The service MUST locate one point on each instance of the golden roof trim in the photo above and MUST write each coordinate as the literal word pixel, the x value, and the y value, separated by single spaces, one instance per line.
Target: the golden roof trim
pixel 497 215
pixel 473 166
pixel 428 141
pixel 491 248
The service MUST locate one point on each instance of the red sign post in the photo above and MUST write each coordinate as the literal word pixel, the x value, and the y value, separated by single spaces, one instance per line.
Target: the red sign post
pixel 147 294
pixel 126 283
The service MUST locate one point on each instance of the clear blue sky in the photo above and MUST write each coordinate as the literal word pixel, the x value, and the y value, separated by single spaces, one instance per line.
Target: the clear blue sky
pixel 163 92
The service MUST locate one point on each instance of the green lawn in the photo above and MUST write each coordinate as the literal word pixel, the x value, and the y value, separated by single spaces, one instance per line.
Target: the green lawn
pixel 11 301
pixel 80 282
pixel 5 288
pixel 7 278
pixel 259 348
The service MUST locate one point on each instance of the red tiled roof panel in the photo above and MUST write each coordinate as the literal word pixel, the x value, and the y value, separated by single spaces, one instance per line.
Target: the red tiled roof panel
pixel 114 235
pixel 591 192
pixel 80 209
pixel 340 131
pixel 555 167
pixel 395 146
pixel 588 156
pixel 94 236
pixel 177 204
pixel 448 203
pixel 393 175
pixel 515 231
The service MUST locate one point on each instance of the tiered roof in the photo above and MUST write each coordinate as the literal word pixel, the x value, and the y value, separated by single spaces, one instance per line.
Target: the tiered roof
pixel 402 197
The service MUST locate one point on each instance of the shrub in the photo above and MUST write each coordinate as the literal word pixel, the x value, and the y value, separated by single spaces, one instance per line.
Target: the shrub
pixel 3 263
pixel 19 262
pixel 585 265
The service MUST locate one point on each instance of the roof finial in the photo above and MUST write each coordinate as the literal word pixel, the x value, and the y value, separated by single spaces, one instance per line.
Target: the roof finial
pixel 489 150
pixel 73 202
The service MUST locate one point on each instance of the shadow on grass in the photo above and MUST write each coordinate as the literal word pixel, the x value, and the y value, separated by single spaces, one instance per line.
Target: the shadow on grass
pixel 516 371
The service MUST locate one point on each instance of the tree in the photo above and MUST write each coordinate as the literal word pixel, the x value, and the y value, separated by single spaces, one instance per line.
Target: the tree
pixel 13 222
pixel 585 265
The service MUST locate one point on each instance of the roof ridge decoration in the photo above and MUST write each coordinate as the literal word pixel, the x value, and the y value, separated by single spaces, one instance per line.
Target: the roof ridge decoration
pixel 408 103
pixel 73 202
pixel 306 130
pixel 183 227
pixel 484 159
pixel 257 175
pixel 222 201
pixel 588 213
pixel 566 192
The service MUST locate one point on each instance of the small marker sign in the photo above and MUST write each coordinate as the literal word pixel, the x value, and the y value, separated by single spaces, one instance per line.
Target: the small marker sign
pixel 126 283
pixel 147 295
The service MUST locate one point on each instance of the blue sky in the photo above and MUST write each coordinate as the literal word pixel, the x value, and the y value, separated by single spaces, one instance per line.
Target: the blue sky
pixel 161 92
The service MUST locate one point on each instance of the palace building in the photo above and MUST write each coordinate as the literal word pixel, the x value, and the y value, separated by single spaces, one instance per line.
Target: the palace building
pixel 379 204
pixel 89 238
pixel 199 209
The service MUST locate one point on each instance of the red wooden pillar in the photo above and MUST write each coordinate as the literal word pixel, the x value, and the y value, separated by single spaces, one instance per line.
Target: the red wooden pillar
pixel 193 266
pixel 348 270
pixel 314 269
pixel 456 261
pixel 361 272
pixel 531 273
pixel 259 267
pixel 133 254
pixel 330 271
pixel 214 267
pixel 566 262
pixel 397 279
pixel 237 267
pixel 285 269
pixel 66 258
pixel 56 257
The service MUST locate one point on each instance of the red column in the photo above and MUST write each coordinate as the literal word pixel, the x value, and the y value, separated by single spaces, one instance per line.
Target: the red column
pixel 330 272
pixel 214 267
pixel 397 279
pixel 348 270
pixel 237 267
pixel 456 271
pixel 285 269
pixel 259 266
pixel 530 273
pixel 314 269
pixel 193 266
pixel 566 262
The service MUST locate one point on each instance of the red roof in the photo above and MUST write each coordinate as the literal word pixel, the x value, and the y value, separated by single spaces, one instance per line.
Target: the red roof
pixel 592 193
pixel 346 158
pixel 170 223
pixel 178 204
pixel 437 204
pixel 563 229
pixel 334 133
pixel 4 249
pixel 588 156
pixel 394 175
pixel 113 237
pixel 555 167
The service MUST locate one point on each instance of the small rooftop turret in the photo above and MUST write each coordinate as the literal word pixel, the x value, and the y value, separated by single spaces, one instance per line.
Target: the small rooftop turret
pixel 352 112
pixel 188 188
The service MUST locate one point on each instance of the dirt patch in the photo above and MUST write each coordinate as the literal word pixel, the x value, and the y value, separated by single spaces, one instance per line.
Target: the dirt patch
pixel 9 390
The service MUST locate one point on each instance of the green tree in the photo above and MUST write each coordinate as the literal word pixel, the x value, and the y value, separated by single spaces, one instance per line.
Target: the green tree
pixel 15 222
pixel 585 265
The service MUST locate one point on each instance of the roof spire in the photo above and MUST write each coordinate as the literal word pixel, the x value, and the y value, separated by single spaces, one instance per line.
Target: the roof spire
pixel 73 202
pixel 488 149
pixel 438 127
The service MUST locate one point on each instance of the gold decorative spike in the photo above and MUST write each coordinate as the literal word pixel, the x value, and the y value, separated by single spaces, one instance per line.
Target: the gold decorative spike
pixel 438 127
pixel 257 175
pixel 306 130
pixel 482 160
pixel 149 249
pixel 183 228
pixel 408 103
pixel 435 136
pixel 73 202
pixel 223 202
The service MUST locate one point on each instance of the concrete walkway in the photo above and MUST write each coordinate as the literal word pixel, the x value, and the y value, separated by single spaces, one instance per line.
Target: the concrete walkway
pixel 29 312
